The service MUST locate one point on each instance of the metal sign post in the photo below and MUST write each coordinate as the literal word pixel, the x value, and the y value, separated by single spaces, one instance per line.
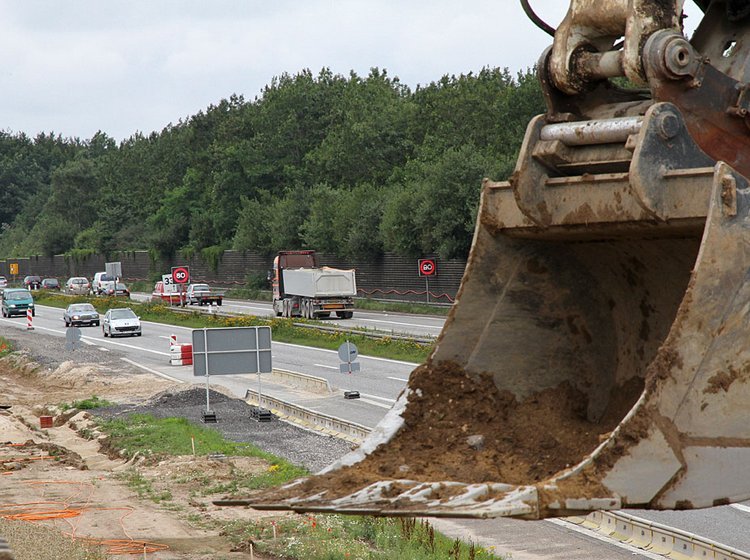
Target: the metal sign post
pixel 348 353
pixel 232 351
pixel 208 416
pixel 427 268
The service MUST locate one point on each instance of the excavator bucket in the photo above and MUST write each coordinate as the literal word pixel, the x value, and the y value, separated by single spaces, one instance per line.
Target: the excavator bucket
pixel 598 354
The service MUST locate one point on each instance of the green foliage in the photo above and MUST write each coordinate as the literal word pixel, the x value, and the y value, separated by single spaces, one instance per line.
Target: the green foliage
pixel 87 404
pixel 338 537
pixel 212 256
pixel 349 165
pixel 5 347
pixel 159 437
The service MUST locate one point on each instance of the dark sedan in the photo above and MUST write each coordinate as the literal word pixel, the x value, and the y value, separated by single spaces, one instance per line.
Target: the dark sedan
pixel 81 314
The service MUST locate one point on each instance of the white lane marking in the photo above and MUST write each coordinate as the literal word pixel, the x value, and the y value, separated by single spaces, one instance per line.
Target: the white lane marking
pixel 368 401
pixel 336 352
pixel 741 507
pixel 22 325
pixel 155 372
pixel 325 366
pixel 102 348
pixel 597 536
pixel 88 342
pixel 132 346
pixel 398 379
pixel 380 398
pixel 364 320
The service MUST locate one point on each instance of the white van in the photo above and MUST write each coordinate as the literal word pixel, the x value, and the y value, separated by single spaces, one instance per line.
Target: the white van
pixel 99 283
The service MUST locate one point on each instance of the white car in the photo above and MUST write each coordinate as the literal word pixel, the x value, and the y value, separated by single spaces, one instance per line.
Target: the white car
pixel 121 322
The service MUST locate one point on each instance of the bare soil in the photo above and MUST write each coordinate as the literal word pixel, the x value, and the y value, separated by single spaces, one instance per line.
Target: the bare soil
pixel 460 427
pixel 57 470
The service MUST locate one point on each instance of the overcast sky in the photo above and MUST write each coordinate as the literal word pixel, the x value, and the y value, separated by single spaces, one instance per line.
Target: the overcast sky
pixel 74 67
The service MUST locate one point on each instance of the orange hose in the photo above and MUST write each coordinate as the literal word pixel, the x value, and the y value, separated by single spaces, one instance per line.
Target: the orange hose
pixel 33 514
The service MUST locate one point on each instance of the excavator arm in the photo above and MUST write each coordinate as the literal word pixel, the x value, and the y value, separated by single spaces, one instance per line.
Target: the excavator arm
pixel 598 353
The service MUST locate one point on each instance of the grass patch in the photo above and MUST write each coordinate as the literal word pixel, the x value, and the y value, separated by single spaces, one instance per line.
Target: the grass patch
pixel 337 537
pixel 283 329
pixel 143 487
pixel 401 307
pixel 87 404
pixel 160 437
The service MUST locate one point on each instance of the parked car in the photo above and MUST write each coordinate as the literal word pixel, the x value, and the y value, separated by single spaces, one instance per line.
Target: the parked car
pixel 108 289
pixel 80 314
pixel 78 285
pixel 121 322
pixel 50 284
pixel 97 284
pixel 32 282
pixel 3 283
pixel 16 301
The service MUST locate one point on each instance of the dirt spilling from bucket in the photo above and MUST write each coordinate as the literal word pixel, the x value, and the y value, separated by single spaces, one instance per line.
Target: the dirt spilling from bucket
pixel 460 427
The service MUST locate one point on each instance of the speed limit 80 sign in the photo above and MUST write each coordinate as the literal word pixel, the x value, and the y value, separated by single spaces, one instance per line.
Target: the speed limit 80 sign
pixel 181 274
pixel 427 267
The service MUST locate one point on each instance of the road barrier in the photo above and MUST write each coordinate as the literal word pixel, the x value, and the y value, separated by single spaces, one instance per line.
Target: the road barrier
pixel 181 354
pixel 655 537
pixel 29 323
pixel 303 381
pixel 332 425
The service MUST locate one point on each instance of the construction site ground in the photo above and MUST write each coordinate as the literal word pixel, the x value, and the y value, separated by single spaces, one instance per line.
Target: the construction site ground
pixel 62 470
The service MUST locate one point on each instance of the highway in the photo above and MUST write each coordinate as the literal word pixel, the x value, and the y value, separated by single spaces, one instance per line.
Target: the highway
pixel 379 384
pixel 394 323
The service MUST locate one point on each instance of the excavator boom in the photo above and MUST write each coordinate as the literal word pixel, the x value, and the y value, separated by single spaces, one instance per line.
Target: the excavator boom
pixel 597 355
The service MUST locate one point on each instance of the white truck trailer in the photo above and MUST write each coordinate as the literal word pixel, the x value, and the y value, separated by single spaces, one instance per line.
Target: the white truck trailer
pixel 302 289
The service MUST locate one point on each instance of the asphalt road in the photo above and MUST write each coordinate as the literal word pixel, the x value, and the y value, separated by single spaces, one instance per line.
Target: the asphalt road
pixel 379 382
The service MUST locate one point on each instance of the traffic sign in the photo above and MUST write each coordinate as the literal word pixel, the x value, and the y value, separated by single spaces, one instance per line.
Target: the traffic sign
pixel 13 269
pixel 181 274
pixel 114 269
pixel 427 267
pixel 348 352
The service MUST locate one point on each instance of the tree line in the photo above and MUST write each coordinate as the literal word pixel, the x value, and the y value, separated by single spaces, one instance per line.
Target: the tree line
pixel 348 165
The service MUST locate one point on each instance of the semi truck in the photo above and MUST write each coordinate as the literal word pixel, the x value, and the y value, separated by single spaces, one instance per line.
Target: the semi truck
pixel 303 289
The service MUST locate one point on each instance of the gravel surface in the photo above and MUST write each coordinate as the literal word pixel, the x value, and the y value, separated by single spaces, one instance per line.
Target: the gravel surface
pixel 298 445
pixel 234 421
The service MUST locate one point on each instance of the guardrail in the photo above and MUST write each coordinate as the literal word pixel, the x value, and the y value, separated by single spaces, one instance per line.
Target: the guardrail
pixel 359 332
pixel 655 537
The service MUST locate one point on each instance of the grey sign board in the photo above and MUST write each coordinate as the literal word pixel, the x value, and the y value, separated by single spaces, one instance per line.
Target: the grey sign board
pixel 232 351
pixel 113 269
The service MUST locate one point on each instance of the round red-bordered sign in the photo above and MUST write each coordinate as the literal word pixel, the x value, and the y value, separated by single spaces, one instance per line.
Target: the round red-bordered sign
pixel 181 275
pixel 427 267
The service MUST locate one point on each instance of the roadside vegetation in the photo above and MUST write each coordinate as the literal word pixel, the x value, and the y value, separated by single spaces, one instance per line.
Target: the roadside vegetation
pixel 5 347
pixel 303 537
pixel 90 403
pixel 352 165
pixel 284 330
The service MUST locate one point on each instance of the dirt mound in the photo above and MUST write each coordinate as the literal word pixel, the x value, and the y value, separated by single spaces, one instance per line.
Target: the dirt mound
pixel 460 427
